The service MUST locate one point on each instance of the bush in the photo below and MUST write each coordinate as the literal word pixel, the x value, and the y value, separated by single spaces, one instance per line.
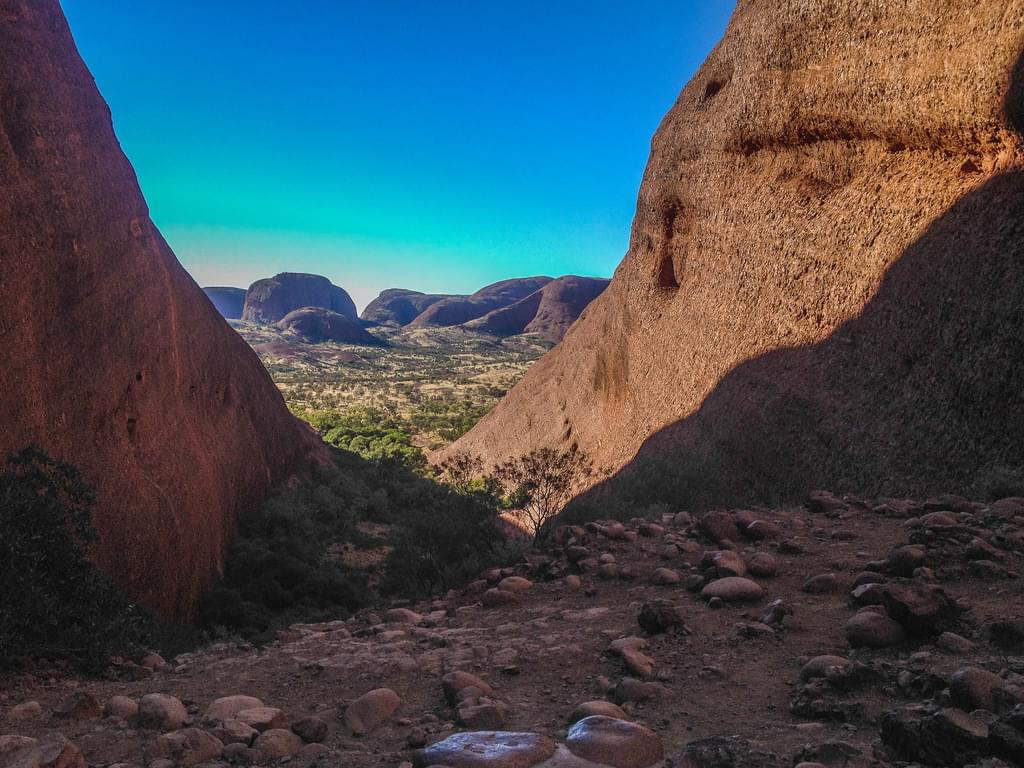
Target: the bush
pixel 539 484
pixel 999 482
pixel 54 603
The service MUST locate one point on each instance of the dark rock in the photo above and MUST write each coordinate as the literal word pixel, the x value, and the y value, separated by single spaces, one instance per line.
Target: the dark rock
pixel 659 616
pixel 921 609
pixel 948 737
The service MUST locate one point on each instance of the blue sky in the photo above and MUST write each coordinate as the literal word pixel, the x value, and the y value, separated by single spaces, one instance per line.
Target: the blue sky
pixel 437 145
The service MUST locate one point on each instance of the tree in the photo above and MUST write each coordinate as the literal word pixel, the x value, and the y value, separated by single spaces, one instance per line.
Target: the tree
pixel 54 603
pixel 540 483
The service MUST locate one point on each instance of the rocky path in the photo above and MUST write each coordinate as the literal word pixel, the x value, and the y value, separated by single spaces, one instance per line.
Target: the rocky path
pixel 840 634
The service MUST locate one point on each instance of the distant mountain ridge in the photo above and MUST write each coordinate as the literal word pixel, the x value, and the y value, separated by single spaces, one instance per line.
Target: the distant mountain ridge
pixel 314 310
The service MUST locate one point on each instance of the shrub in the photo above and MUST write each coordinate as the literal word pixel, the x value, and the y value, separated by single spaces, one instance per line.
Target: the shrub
pixel 54 603
pixel 539 484
pixel 999 482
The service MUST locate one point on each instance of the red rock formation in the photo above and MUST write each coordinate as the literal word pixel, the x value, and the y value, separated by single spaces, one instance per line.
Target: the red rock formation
pixel 548 312
pixel 399 306
pixel 114 360
pixel 270 299
pixel 316 325
pixel 823 284
pixel 461 309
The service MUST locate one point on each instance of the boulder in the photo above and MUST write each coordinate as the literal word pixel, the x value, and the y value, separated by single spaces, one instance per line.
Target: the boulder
pixel 190 746
pixel 614 742
pixel 871 629
pixel 733 589
pixel 371 710
pixel 227 707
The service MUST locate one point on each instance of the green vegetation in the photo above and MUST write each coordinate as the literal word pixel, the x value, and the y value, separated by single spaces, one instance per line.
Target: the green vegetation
pixel 372 433
pixel 435 382
pixel 351 534
pixel 54 603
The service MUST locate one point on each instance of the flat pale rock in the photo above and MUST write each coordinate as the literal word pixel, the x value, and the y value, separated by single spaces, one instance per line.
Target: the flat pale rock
pixel 370 710
pixel 226 707
pixel 27 711
pixel 488 749
pixel 54 752
pixel 733 589
pixel 613 742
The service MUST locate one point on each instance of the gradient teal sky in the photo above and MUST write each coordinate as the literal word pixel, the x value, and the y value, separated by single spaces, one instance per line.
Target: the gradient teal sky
pixel 392 143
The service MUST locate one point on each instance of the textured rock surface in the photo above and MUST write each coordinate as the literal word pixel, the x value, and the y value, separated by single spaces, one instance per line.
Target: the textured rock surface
pixel 822 286
pixel 456 310
pixel 316 324
pixel 114 359
pixel 547 312
pixel 400 306
pixel 229 301
pixel 270 299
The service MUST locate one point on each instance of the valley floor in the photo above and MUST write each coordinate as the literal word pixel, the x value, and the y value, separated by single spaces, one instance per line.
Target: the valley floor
pixel 736 672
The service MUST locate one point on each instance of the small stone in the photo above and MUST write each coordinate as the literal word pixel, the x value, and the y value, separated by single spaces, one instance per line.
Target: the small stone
pixel 515 584
pixel 370 710
pixel 954 643
pixel 631 689
pixel 79 706
pixel 762 564
pixel 160 711
pixel 454 682
pixel 227 707
pixel 573 582
pixel 495 597
pixel 872 629
pixel 665 577
pixel 614 742
pixel 122 707
pixel 821 584
pixel 310 729
pixel 30 710
pixel 233 731
pixel 263 718
pixel 485 714
pixel 820 665
pixel 402 616
pixel 973 688
pixel 659 616
pixel 186 747
pixel 733 589
pixel 277 743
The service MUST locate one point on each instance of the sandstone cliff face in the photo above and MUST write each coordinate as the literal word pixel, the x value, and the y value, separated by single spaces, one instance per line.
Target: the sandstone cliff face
pixel 548 312
pixel 114 359
pixel 400 306
pixel 270 299
pixel 316 325
pixel 824 276
pixel 456 310
pixel 228 301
